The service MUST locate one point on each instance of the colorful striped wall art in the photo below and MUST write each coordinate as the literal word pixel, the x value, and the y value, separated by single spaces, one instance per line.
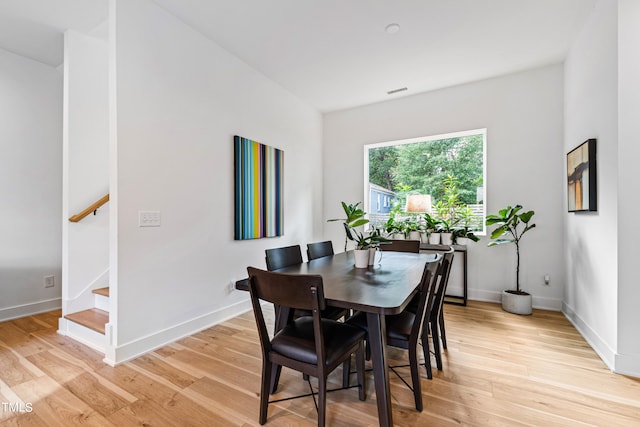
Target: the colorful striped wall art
pixel 258 190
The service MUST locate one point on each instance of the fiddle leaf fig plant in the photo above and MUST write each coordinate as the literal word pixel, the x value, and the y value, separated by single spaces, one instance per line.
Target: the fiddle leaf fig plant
pixel 512 225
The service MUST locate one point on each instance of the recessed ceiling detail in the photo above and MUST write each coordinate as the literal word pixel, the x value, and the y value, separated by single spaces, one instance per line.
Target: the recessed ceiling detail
pixel 392 28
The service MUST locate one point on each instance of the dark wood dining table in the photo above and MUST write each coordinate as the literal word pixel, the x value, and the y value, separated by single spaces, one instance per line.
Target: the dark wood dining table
pixel 380 290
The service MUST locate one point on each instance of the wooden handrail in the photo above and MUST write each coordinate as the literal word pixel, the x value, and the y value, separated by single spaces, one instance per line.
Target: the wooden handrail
pixel 77 217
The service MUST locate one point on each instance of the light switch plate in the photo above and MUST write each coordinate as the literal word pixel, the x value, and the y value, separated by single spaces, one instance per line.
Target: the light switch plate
pixel 148 218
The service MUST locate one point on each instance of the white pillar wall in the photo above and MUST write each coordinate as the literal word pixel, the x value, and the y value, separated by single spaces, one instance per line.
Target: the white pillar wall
pixel 178 101
pixel 85 259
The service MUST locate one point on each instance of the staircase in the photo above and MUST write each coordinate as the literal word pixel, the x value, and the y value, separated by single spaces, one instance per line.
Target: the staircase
pixel 88 326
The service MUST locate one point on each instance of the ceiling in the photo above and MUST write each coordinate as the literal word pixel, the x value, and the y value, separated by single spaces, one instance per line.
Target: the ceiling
pixel 336 54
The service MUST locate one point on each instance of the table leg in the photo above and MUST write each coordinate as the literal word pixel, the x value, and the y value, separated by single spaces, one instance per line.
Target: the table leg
pixel 378 341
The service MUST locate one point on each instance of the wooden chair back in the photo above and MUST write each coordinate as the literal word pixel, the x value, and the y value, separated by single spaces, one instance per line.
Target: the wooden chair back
pixel 319 249
pixel 278 258
pixel 401 246
pixel 441 287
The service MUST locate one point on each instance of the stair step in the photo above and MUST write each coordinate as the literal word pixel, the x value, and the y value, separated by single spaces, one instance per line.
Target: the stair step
pixel 102 291
pixel 93 318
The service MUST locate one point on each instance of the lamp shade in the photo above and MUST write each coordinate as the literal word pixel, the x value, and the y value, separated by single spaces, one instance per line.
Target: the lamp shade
pixel 419 203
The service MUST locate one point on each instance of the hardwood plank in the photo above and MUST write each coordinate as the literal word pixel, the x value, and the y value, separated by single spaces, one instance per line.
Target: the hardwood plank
pixel 58 406
pixel 13 369
pixel 500 369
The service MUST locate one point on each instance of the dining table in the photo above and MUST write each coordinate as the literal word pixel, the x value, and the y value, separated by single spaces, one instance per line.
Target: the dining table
pixel 382 289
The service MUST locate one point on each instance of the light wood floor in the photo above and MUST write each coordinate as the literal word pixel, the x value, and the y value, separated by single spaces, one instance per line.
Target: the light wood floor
pixel 500 369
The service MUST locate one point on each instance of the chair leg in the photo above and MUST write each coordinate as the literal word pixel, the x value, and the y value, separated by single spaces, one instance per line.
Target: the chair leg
pixel 322 400
pixel 425 352
pixel 275 377
pixel 436 344
pixel 415 377
pixel 346 370
pixel 443 334
pixel 362 395
pixel 264 390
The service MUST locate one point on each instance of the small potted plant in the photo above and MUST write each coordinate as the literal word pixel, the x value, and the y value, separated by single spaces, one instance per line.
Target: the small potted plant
pixel 431 225
pixel 393 228
pixel 512 225
pixel 463 233
pixel 356 218
pixel 411 229
pixel 447 226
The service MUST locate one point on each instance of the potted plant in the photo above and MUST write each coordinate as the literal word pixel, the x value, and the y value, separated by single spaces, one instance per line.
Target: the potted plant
pixel 463 233
pixel 356 218
pixel 512 224
pixel 446 228
pixel 375 239
pixel 411 229
pixel 393 228
pixel 431 225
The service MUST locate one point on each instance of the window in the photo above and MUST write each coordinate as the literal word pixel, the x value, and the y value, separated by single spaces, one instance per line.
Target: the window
pixel 441 175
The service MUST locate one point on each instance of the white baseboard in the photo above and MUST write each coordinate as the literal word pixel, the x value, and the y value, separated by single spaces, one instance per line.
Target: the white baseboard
pixel 627 365
pixel 624 364
pixel 24 310
pixel 131 350
pixel 593 339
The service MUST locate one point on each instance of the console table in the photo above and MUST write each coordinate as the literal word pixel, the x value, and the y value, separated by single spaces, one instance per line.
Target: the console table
pixel 460 250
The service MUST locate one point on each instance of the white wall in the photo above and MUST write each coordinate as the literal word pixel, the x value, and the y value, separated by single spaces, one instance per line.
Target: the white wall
pixel 628 352
pixel 603 101
pixel 180 98
pixel 591 111
pixel 85 257
pixel 30 185
pixel 523 116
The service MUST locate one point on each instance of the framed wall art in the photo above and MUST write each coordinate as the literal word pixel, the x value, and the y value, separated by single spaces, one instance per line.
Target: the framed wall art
pixel 258 171
pixel 582 193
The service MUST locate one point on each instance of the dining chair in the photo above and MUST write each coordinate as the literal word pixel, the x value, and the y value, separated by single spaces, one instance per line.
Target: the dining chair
pixel 404 330
pixel 311 344
pixel 436 320
pixel 319 249
pixel 278 258
pixel 401 246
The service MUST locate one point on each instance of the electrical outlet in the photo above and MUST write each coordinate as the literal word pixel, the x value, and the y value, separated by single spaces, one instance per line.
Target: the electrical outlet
pixel 231 286
pixel 547 279
pixel 49 281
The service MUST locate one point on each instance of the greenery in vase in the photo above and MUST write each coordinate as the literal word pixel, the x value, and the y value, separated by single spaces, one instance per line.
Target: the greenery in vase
pixel 513 225
pixel 465 215
pixel 355 217
pixel 431 224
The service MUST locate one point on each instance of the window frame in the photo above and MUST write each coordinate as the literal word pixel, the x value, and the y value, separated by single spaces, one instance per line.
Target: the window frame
pixel 481 131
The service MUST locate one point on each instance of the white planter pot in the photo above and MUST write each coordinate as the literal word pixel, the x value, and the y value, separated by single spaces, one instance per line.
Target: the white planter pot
pixel 434 238
pixel 462 240
pixel 515 303
pixel 446 238
pixel 424 237
pixel 414 235
pixel 372 255
pixel 397 236
pixel 361 258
